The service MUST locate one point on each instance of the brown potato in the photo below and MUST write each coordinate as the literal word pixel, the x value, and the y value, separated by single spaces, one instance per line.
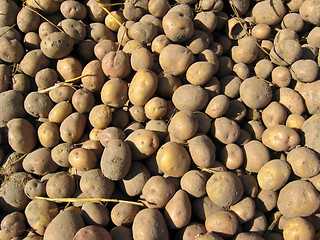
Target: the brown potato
pixel 194 183
pixel 137 113
pixel 113 19
pixel 11 104
pixel 281 76
pixel 298 199
pixel 131 45
pixel 264 12
pixel 95 12
pixel 48 134
pixel 60 185
pixel 120 118
pixel 295 121
pixel 98 31
pixel 230 86
pixel 21 82
pixel 82 159
pixel 256 155
pixel 60 112
pixel 94 79
pixel 222 222
pixel 298 228
pixel 38 104
pixel 143 32
pixel 103 47
pixel 95 214
pixel 286 52
pixel 310 95
pixel 199 73
pixel 73 9
pixel 225 130
pixel 191 231
pixel 56 45
pixel 224 188
pixel 114 93
pixel 35 187
pixel 155 108
pixel 83 100
pixel 33 61
pixel 309 12
pixel 280 138
pixel 123 214
pixel 258 224
pixel 12 51
pixel 46 78
pixel 100 116
pixel 72 128
pixel 14 224
pixel 217 106
pixel 274 114
pixel 245 53
pixel 231 156
pixel 173 159
pixel 266 200
pixel 116 64
pixel 159 43
pixel 92 232
pixel 141 58
pixel 311 132
pixel 60 154
pixel 27 20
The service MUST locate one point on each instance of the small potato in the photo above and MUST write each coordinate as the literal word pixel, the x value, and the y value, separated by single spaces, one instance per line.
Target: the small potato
pixel 141 58
pixel 194 183
pixel 35 187
pixel 222 222
pixel 295 121
pixel 280 138
pixel 313 37
pixel 61 185
pixel 286 52
pixel 48 134
pixel 292 21
pixel 5 76
pixel 230 86
pixel 94 79
pixel 250 185
pixel 274 114
pixel 190 97
pixel 157 192
pixel 11 104
pixel 134 181
pixel 46 28
pixel 111 133
pixel 117 150
pixel 38 104
pixel 266 200
pixel 256 155
pixel 121 233
pixel 13 197
pixel 98 31
pixel 46 78
pixel 156 108
pixel 263 68
pixel 199 41
pixel 225 130
pixel 85 50
pixel 27 20
pixel 311 132
pixel 82 159
pixel 40 213
pixel 298 228
pixel 56 45
pixel 137 114
pixel 281 76
pixel 284 35
pixel 205 21
pixel 224 188
pixel 14 224
pixel 158 8
pixel 92 232
pixel 114 93
pixel 244 209
pixel 232 156
pixel 183 125
pixel 6 8
pixel 143 85
pixel 116 64
pixel 261 31
pixel 178 210
pixel 60 154
pixel 33 61
pixel 21 82
pixel 310 94
pixel 72 128
pixel 142 143
pixel 199 73
pixel 95 12
pixel 191 231
pixel 74 28
pixel 202 151
pixel 64 226
pixel 273 175
pixel 22 136
pixel 131 46
pixel 173 159
pixel 255 92
pixel 159 43
pixel 94 184
pixel 150 224
pixel 143 32
pixel 60 112
pixel 217 106
pixel 298 199
pixel 103 47
pixel 113 19
pixel 39 162
pixel 100 116
pixel 258 224
pixel 204 122
pixel 175 59
pixel 73 9
pixel 68 68
pixel 123 214
pixel 304 162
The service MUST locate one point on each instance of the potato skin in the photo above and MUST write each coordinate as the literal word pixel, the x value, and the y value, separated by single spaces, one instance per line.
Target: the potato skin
pixel 56 45
pixel 149 224
pixel 21 135
pixel 72 128
pixel 14 224
pixel 11 105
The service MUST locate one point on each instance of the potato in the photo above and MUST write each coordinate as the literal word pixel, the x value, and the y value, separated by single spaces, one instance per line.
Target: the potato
pixel 175 59
pixel 309 93
pixel 82 159
pixel 266 200
pixel 98 31
pixel 158 8
pixel 120 118
pixel 95 185
pixel 203 207
pixel 103 47
pixel 261 31
pixel 157 192
pixel 305 70
pixel 143 32
pixel 178 210
pixel 202 151
pixel 183 125
pixel 199 73
pixel 48 134
pixel 311 132
pixel 73 9
pixel 256 155
pixel 313 37
pixel 56 45
pixel 225 130
pixel 38 104
pixel 114 93
pixel 143 86
pixel 33 61
pixel 21 82
pixel 141 58
pixel 35 187
pixel 85 50
pixel 286 52
pixel 274 114
pixel 116 64
pixel 284 35
pixel 222 222
pixel 11 104
pixel 123 214
pixel 194 183
pixel 281 76
pixel 95 214
pixel 245 53
pixel 121 233
pixel 22 136
pixel 156 108
pixel 255 92
pixel 60 112
pixel 12 196
pixel 280 138
pixel 60 154
pixel 209 236
pixel 298 228
pixel 111 133
pixel 6 18
pixel 119 150
pixel 92 232
pixel 310 12
pixel 39 213
pixel 159 43
pixel 304 162
pixel 14 224
pixel 113 19
pixel 295 121
pixel 83 100
pixel 190 97
pixel 46 78
pixel 27 20
pixel 217 106
pixel 309 51
pixel 269 13
pixel 64 226
pixel 258 224
pixel 12 51
pixel 39 162
pixel 224 188
pixel 100 116
pixel 68 68
pixel 298 199
pixel 95 12
pixel 72 128
pixel 231 156
pixel 191 231
pixel 150 224
pixel 273 175
pixel 230 85
pixel 60 185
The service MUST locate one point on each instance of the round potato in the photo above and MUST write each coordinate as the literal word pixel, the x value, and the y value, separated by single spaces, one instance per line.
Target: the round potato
pixel 60 154
pixel 60 185
pixel 222 222
pixel 94 79
pixel 33 61
pixel 116 64
pixel 298 228
pixel 100 116
pixel 82 159
pixel 114 93
pixel 123 214
pixel 56 45
pixel 225 130
pixel 35 187
pixel 194 183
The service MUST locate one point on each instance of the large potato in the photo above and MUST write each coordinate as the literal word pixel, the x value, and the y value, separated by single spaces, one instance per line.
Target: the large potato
pixel 56 45
pixel 311 96
pixel 268 12
pixel 33 61
pixel 11 105
pixel 21 135
pixel 150 224
pixel 14 224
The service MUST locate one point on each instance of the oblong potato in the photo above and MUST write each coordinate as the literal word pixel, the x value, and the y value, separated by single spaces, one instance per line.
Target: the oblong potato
pixel 72 128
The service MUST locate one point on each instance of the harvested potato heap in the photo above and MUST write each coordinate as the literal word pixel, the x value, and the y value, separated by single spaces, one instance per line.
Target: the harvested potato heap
pixel 158 120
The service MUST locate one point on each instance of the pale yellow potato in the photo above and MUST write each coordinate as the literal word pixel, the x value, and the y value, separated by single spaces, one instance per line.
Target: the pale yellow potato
pixel 231 156
pixel 183 125
pixel 217 106
pixel 295 121
pixel 60 112
pixel 114 93
pixel 159 43
pixel 83 100
pixel 72 128
pixel 93 76
pixel 274 114
pixel 244 209
pixel 225 130
pixel 141 58
pixel 222 222
pixel 61 94
pixel 100 116
pixel 82 159
pixel 298 228
pixel 48 134
pixel 113 19
pixel 155 108
pixel 199 73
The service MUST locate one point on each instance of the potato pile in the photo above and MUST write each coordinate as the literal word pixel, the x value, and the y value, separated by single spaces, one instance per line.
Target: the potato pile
pixel 159 120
